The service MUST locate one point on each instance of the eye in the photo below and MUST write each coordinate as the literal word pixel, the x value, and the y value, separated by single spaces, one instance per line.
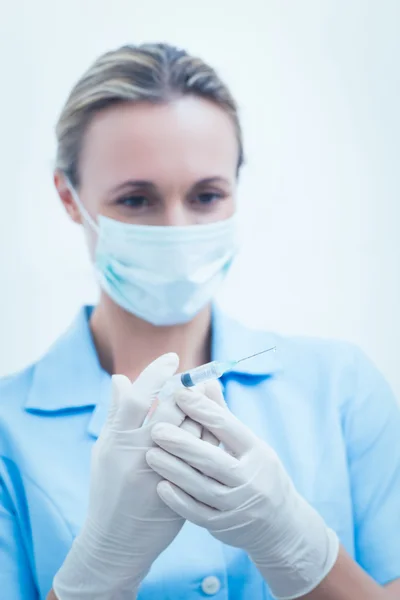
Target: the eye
pixel 134 201
pixel 208 198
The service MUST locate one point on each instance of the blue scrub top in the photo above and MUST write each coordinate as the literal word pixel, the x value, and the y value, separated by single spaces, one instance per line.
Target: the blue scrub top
pixel 322 405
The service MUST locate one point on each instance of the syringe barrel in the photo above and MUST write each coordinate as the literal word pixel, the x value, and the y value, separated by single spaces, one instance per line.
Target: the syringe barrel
pixel 212 370
pixel 200 374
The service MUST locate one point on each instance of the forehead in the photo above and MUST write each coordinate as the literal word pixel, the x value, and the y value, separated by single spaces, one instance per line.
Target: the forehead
pixel 188 137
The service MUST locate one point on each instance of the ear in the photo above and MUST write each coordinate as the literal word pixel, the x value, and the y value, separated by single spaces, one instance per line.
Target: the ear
pixel 66 197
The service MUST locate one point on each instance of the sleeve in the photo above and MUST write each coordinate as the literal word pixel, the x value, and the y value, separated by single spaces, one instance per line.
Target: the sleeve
pixel 371 424
pixel 16 579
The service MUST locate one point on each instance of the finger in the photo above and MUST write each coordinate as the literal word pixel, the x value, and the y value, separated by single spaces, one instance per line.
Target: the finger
pixel 169 412
pixel 209 437
pixel 192 427
pixel 213 390
pixel 135 403
pixel 195 428
pixel 153 408
pixel 209 460
pixel 173 414
pixel 217 419
pixel 184 505
pixel 165 410
pixel 120 386
pixel 201 488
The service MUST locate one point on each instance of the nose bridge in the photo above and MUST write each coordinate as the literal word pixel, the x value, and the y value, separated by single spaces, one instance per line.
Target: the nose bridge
pixel 176 213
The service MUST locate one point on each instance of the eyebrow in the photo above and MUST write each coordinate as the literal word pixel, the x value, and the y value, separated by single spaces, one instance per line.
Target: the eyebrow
pixel 132 183
pixel 216 179
pixel 149 184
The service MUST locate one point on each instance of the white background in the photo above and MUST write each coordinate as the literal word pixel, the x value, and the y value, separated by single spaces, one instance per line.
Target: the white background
pixel 318 84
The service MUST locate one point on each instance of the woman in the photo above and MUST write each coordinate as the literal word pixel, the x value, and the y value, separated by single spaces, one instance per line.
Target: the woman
pixel 149 152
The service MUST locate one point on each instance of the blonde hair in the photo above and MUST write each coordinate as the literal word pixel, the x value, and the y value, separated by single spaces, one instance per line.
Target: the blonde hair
pixel 147 73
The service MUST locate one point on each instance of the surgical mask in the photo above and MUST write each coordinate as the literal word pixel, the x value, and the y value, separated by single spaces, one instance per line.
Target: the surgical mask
pixel 162 274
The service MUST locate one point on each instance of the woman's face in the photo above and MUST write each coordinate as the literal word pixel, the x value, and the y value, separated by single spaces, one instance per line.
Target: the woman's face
pixel 165 164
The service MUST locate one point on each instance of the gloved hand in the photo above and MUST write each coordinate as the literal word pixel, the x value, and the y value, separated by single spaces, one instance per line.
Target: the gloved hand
pixel 243 496
pixel 127 524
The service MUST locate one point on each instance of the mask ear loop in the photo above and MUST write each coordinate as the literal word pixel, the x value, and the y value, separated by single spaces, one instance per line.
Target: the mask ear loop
pixel 92 223
pixel 82 209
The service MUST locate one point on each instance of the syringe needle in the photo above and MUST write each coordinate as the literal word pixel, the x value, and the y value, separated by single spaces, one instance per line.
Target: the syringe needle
pixel 256 354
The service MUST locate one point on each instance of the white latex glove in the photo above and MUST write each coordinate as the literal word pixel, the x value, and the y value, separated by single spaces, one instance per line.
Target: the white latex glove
pixel 127 524
pixel 244 498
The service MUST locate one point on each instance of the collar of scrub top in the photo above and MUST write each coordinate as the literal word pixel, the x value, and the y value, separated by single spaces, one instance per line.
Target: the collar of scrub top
pixel 69 377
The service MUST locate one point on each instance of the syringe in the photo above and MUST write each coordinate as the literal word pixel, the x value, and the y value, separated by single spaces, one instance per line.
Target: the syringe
pixel 211 370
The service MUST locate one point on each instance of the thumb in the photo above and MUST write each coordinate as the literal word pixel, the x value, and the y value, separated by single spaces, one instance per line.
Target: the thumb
pixel 134 402
pixel 120 386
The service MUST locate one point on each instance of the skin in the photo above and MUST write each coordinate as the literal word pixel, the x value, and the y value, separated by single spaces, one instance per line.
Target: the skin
pixel 347 581
pixel 185 154
pixel 171 164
